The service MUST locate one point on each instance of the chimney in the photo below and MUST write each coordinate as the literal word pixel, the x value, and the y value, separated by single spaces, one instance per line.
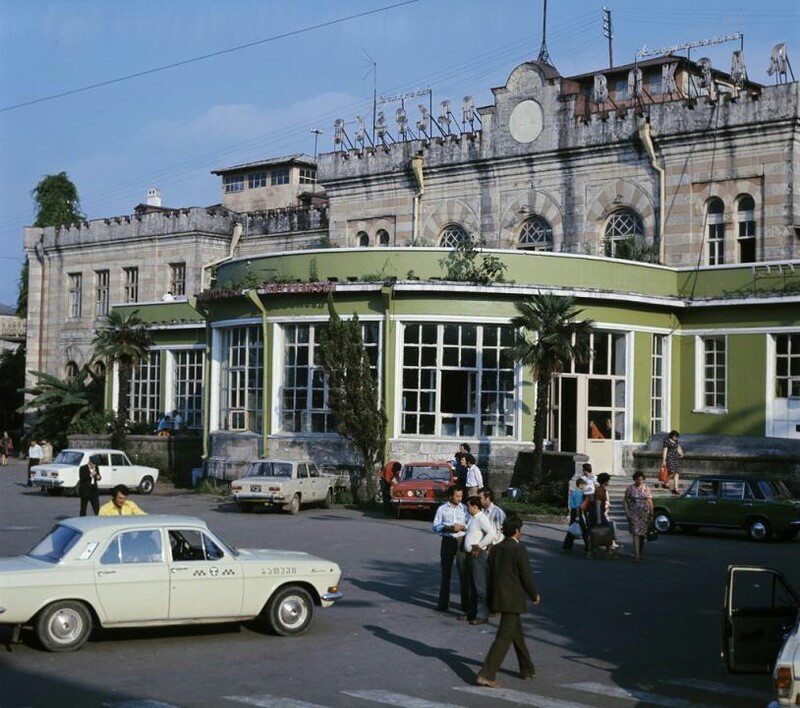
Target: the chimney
pixel 154 197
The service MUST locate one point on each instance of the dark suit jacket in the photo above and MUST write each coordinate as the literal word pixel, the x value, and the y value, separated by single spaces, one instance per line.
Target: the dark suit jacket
pixel 85 486
pixel 512 581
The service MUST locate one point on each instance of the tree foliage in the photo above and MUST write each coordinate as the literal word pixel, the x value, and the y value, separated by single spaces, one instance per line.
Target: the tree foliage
pixel 56 200
pixel 124 341
pixel 352 387
pixel 22 291
pixel 463 265
pixel 12 380
pixel 551 337
pixel 636 247
pixel 61 403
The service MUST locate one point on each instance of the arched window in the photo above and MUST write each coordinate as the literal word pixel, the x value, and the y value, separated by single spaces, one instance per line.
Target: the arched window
pixel 363 239
pixel 536 235
pixel 71 370
pixel 383 237
pixel 622 225
pixel 452 235
pixel 99 369
pixel 746 218
pixel 715 221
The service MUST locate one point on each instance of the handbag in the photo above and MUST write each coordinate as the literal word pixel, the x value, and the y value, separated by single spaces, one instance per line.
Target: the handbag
pixel 586 503
pixel 652 535
pixel 601 535
pixel 663 474
pixel 575 529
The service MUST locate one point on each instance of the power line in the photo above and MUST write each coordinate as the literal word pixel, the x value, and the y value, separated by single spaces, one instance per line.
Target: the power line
pixel 220 52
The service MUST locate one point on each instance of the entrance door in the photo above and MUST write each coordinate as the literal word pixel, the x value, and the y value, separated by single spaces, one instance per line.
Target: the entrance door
pixel 584 424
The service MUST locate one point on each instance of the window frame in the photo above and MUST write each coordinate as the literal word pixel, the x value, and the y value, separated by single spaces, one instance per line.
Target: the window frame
pixel 535 225
pixel 102 292
pixel 233 183
pixel 307 175
pixel 256 180
pixel 188 366
pixel 75 290
pixel 241 378
pixel 131 284
pixel 718 385
pixel 145 390
pixel 279 176
pixel 746 234
pixel 177 278
pixel 452 235
pixel 612 233
pixel 715 231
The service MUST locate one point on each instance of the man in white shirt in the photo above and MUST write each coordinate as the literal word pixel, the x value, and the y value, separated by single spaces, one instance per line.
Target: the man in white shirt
pixel 450 523
pixel 474 476
pixel 477 541
pixel 35 455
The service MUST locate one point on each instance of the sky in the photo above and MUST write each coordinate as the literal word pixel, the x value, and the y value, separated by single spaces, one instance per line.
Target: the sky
pixel 169 128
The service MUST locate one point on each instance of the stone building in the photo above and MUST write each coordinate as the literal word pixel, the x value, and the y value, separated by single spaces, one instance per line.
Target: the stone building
pixel 663 197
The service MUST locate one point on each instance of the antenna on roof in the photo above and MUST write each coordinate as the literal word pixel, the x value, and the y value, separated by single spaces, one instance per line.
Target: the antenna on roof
pixel 543 55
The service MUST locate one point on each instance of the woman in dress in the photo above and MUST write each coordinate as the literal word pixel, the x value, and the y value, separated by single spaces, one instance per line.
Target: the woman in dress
pixel 6 446
pixel 671 457
pixel 639 510
pixel 598 516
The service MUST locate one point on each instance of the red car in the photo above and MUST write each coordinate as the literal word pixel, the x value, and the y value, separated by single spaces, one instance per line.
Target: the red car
pixel 422 485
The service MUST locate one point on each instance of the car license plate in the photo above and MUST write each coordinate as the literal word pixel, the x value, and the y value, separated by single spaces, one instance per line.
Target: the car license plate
pixel 255 487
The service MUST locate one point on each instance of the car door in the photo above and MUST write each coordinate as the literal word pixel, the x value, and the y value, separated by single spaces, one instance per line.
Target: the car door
pixel 699 504
pixel 304 483
pixel 735 502
pixel 132 578
pixel 205 581
pixel 316 482
pixel 760 609
pixel 122 471
pixel 103 466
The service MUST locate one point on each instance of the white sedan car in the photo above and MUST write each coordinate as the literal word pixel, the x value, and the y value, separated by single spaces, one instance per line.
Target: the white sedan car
pixel 114 465
pixel 133 571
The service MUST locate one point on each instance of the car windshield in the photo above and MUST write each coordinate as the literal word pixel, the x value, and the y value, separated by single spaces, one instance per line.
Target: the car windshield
pixel 55 545
pixel 774 489
pixel 69 457
pixel 230 548
pixel 437 472
pixel 269 469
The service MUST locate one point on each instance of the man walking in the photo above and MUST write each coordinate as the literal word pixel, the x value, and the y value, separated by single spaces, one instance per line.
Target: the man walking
pixel 389 476
pixel 450 523
pixel 512 586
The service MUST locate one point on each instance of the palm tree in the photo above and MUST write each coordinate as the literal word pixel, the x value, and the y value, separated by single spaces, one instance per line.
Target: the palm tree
pixel 551 337
pixel 61 403
pixel 123 341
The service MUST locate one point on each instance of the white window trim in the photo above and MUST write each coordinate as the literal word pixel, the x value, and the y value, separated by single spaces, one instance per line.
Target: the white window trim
pixel 699 376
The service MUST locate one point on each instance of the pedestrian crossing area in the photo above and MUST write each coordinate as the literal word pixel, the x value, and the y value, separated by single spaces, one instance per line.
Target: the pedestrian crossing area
pixel 669 693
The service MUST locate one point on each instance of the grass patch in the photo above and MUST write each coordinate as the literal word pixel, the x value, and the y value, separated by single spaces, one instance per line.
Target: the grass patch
pixel 209 486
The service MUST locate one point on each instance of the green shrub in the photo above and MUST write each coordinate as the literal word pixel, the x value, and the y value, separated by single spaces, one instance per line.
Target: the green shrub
pixel 207 485
pixel 95 423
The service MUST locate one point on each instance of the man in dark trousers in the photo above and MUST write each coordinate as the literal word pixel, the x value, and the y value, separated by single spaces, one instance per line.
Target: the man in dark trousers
pixel 511 587
pixel 88 477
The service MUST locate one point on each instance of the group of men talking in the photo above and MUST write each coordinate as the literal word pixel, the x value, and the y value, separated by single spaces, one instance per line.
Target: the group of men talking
pixel 494 573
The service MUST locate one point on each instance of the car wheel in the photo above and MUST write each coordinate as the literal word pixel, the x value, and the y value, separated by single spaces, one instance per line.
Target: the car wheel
pixel 294 506
pixel 54 491
pixel 289 611
pixel 327 503
pixel 64 626
pixel 147 485
pixel 758 530
pixel 662 522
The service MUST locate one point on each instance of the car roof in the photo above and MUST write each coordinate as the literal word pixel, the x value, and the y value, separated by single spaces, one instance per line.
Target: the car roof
pixel 734 478
pixel 92 523
pixel 91 449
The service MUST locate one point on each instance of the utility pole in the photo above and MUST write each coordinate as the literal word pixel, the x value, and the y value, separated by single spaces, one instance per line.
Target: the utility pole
pixel 609 35
pixel 317 132
pixel 543 55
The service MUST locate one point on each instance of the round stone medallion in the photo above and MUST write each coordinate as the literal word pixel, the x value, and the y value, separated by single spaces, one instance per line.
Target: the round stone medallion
pixel 527 121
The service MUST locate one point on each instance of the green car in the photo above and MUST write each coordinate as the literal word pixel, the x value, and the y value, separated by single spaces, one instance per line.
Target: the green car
pixel 761 507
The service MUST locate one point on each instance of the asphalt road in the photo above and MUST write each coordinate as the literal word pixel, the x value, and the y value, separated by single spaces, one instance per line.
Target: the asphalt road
pixel 607 633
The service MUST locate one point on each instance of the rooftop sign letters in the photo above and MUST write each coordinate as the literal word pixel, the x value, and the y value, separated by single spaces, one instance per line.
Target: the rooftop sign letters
pixel 217 294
